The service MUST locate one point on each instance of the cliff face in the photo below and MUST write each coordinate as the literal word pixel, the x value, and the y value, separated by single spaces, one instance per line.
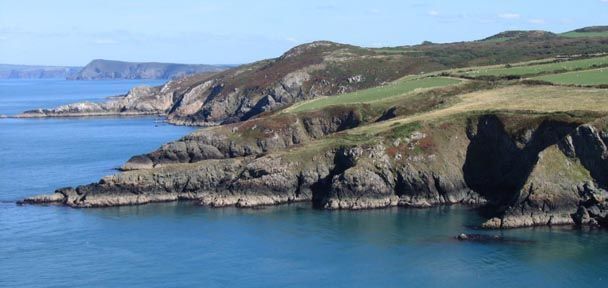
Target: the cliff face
pixel 545 171
pixel 565 185
pixel 100 69
pixel 525 152
pixel 142 100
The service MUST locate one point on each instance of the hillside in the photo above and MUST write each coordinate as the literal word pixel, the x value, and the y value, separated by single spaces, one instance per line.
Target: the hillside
pixel 345 127
pixel 107 69
pixel 593 31
pixel 9 71
pixel 520 35
pixel 316 69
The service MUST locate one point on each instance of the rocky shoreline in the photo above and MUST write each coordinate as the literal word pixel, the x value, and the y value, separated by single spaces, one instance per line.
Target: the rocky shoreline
pixel 217 173
pixel 524 167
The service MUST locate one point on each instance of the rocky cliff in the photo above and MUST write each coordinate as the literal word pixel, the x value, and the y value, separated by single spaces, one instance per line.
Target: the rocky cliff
pixel 525 152
pixel 143 100
pixel 315 69
pixel 524 170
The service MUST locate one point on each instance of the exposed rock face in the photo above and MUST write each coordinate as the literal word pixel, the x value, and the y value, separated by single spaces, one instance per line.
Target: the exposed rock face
pixel 305 72
pixel 258 136
pixel 248 182
pixel 334 178
pixel 561 186
pixel 553 176
pixel 142 100
pixel 100 69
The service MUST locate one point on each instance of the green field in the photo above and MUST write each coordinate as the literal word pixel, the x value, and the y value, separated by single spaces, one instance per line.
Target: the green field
pixel 529 70
pixel 394 89
pixel 574 34
pixel 585 78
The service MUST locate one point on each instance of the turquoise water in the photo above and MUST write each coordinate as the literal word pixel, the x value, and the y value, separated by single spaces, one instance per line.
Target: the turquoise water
pixel 183 245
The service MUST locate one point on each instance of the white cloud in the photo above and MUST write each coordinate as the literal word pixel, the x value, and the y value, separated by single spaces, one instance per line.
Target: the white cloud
pixel 291 39
pixel 509 16
pixel 375 11
pixel 604 1
pixel 537 21
pixel 433 13
pixel 2 38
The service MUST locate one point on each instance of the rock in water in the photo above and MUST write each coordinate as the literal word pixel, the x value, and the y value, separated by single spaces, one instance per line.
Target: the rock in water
pixel 481 238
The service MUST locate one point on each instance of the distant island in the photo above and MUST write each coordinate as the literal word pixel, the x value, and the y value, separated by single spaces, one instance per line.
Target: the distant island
pixel 9 71
pixel 100 69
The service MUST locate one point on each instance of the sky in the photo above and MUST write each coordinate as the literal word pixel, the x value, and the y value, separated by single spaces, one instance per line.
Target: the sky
pixel 73 32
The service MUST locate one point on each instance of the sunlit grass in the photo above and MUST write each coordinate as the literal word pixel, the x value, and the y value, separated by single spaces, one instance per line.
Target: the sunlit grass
pixel 391 90
pixel 527 70
pixel 585 78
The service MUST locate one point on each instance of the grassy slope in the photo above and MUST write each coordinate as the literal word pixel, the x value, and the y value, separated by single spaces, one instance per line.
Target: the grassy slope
pixel 543 99
pixel 585 78
pixel 574 34
pixel 395 89
pixel 509 97
pixel 516 100
pixel 527 70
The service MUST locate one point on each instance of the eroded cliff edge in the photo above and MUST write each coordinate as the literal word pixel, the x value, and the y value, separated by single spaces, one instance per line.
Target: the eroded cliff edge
pixel 524 169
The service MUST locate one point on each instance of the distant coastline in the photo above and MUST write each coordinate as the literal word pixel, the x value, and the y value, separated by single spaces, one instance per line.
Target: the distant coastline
pixel 10 71
pixel 101 69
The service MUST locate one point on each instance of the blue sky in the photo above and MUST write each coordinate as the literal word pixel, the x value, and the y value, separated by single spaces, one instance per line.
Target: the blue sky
pixel 73 32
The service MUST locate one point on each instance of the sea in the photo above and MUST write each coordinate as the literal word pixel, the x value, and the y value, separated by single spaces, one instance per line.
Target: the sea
pixel 186 245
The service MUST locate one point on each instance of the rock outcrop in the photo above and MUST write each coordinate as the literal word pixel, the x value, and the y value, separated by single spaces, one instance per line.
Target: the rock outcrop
pixel 143 100
pixel 561 187
pixel 253 137
pixel 551 177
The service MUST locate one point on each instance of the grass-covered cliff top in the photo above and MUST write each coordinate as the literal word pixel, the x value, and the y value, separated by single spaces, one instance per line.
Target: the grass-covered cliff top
pixel 430 101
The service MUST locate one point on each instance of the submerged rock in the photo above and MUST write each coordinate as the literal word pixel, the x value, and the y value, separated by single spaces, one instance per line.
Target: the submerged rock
pixel 484 238
pixel 480 237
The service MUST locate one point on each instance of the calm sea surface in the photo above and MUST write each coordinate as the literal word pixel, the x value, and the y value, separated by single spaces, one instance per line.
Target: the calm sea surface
pixel 183 245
